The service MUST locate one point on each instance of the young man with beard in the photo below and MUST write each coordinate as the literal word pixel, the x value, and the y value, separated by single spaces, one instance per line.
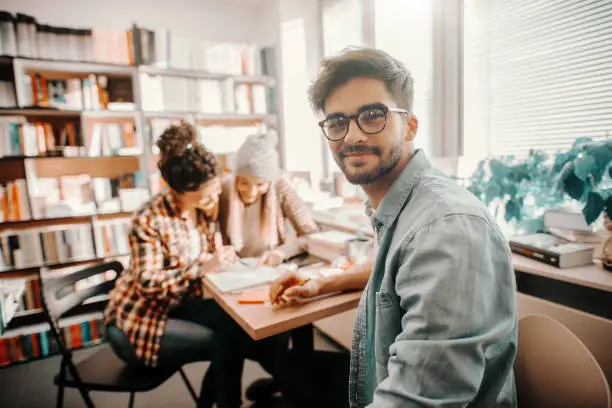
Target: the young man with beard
pixel 437 323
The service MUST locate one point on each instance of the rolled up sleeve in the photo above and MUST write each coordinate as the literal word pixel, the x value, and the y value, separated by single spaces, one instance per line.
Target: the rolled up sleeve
pixel 455 285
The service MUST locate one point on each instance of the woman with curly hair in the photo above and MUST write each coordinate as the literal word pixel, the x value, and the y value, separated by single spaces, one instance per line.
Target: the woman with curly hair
pixel 157 315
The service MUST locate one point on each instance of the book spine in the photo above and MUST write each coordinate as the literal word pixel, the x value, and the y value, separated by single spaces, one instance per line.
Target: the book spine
pixel 537 255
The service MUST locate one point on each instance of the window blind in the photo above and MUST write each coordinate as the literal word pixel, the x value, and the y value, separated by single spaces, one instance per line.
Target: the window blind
pixel 538 74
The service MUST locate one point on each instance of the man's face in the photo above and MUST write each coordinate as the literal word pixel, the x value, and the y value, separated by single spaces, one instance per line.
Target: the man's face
pixel 365 158
pixel 206 197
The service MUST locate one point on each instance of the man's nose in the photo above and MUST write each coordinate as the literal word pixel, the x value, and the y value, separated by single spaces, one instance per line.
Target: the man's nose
pixel 354 134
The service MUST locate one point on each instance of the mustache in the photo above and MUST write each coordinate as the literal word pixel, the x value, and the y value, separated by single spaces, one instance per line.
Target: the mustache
pixel 360 149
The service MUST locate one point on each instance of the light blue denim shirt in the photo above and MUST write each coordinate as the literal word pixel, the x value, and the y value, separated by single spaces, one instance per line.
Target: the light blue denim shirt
pixel 437 324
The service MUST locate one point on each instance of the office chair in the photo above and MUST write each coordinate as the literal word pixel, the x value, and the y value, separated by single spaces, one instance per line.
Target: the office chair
pixel 554 369
pixel 103 370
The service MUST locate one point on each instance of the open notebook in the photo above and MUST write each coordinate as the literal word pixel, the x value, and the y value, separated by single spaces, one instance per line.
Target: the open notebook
pixel 244 275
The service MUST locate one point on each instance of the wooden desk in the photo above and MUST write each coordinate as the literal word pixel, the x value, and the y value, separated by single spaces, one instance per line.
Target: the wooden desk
pixel 261 321
pixel 592 276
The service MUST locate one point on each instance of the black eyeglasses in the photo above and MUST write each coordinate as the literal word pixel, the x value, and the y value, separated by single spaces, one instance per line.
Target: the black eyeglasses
pixel 370 119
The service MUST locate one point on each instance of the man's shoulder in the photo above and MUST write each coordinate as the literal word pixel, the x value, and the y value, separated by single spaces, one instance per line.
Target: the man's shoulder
pixel 435 197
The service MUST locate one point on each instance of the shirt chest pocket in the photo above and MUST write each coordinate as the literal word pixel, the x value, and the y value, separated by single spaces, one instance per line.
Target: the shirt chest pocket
pixel 388 326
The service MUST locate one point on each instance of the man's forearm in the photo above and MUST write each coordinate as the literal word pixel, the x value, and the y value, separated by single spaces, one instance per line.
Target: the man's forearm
pixel 353 279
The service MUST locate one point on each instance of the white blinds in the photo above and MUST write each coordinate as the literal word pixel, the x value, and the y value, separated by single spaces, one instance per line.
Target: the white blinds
pixel 538 73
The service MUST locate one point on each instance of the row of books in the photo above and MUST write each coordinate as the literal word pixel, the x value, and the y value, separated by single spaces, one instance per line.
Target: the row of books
pixel 20 138
pixel 167 93
pixel 31 300
pixel 80 194
pixel 167 50
pixel 38 341
pixel 23 36
pixel 112 139
pixel 111 237
pixel 95 92
pixel 7 95
pixel 34 247
pixel 14 204
pixel 225 139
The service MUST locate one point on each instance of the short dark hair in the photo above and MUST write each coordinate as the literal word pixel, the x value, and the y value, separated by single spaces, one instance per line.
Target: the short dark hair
pixel 359 62
pixel 184 163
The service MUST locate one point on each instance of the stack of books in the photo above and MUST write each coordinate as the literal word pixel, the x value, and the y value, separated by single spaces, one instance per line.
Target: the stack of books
pixel 34 247
pixel 111 237
pixel 329 245
pixel 552 250
pixel 7 94
pixel 20 138
pixel 34 40
pixel 37 341
pixel 225 139
pixel 96 92
pixel 112 139
pixel 163 49
pixel 14 204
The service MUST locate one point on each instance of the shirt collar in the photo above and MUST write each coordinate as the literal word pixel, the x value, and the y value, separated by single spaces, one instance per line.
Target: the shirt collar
pixel 174 204
pixel 400 191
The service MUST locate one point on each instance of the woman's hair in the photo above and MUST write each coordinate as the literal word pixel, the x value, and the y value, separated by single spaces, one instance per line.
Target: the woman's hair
pixel 185 164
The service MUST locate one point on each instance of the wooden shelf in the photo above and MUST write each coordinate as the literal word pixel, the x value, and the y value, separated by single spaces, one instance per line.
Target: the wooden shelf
pixel 72 67
pixel 88 114
pixel 234 119
pixel 221 119
pixel 36 268
pixel 203 74
pixel 102 166
pixel 75 219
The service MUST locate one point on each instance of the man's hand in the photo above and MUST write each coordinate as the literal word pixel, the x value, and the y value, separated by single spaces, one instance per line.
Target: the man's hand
pixel 291 287
pixel 271 258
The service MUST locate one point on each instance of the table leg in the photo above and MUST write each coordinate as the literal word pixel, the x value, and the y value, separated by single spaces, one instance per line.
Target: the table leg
pixel 302 338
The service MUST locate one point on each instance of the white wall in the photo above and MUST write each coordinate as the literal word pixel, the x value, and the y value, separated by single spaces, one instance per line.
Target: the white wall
pixel 215 20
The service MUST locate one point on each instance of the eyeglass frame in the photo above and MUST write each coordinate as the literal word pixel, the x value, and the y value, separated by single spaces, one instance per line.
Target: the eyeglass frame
pixel 386 109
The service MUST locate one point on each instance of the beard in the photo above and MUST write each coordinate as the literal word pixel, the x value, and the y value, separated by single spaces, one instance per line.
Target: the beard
pixel 387 163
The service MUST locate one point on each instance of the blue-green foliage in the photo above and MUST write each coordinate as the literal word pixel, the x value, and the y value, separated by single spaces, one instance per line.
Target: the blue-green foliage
pixel 582 173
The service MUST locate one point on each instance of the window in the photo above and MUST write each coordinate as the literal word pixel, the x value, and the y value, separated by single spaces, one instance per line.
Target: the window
pixel 404 28
pixel 537 74
pixel 342 27
pixel 300 124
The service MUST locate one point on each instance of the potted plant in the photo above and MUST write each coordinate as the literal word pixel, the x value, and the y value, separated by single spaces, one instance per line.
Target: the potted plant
pixel 525 187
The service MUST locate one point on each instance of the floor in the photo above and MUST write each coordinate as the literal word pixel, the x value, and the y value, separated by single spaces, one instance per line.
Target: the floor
pixel 30 385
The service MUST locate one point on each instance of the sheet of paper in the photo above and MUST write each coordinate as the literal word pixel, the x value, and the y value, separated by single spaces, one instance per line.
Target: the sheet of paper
pixel 240 276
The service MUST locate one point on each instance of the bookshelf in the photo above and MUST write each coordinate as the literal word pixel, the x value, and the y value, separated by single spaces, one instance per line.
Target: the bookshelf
pixel 90 127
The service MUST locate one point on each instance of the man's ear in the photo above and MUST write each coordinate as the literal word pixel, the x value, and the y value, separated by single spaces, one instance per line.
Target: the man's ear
pixel 410 128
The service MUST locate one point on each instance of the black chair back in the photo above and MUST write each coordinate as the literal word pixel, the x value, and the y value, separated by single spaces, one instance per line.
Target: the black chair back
pixel 59 298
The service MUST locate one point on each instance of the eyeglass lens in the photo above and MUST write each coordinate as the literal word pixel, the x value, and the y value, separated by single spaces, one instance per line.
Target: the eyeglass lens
pixel 370 121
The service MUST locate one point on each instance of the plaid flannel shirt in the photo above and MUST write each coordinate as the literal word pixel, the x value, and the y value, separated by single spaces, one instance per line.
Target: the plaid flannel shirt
pixel 159 276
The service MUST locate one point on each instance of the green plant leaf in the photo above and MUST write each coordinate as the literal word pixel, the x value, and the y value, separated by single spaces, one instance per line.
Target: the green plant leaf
pixel 493 191
pixel 535 225
pixel 594 207
pixel 513 210
pixel 580 141
pixel 474 189
pixel 609 207
pixel 498 169
pixel 583 166
pixel 572 185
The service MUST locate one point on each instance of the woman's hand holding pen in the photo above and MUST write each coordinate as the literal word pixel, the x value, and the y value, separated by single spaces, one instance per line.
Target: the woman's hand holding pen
pixel 224 256
pixel 271 258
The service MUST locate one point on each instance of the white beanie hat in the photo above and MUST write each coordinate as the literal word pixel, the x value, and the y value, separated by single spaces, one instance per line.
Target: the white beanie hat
pixel 258 156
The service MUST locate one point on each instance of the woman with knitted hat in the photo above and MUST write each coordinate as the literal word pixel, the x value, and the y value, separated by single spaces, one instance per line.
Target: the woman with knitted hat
pixel 257 204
